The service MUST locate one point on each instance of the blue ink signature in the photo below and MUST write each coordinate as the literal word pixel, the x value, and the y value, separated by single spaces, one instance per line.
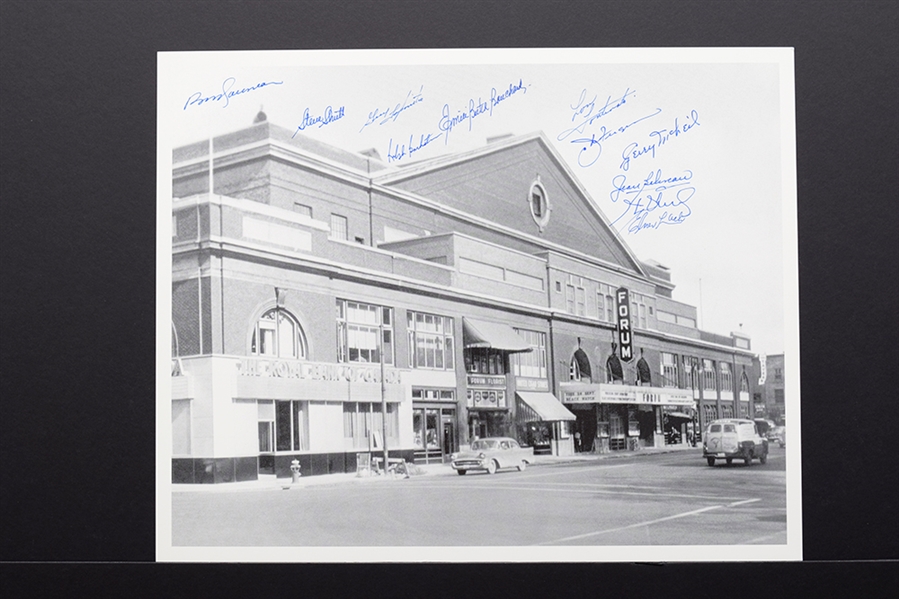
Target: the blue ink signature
pixel 667 195
pixel 584 110
pixel 659 138
pixel 198 99
pixel 591 152
pixel 325 118
pixel 383 116
pixel 399 152
pixel 476 109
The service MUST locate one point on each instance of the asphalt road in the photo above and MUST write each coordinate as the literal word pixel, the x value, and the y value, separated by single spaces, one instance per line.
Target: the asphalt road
pixel 664 499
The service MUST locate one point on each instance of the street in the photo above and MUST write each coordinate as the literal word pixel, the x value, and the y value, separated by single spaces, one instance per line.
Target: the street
pixel 663 499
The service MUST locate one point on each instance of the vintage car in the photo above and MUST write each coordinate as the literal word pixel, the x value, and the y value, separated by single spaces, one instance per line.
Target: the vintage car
pixel 734 438
pixel 778 435
pixel 492 453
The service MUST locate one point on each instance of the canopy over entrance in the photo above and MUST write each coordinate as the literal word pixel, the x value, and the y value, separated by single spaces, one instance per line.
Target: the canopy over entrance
pixel 479 333
pixel 545 406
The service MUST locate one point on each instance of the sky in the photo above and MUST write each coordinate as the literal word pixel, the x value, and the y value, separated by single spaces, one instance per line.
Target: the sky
pixel 713 127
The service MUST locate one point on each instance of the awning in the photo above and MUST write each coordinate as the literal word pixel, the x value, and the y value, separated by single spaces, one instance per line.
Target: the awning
pixel 478 333
pixel 546 406
pixel 678 415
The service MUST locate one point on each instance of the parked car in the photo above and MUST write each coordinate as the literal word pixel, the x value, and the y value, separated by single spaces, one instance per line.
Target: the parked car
pixel 776 435
pixel 734 438
pixel 492 453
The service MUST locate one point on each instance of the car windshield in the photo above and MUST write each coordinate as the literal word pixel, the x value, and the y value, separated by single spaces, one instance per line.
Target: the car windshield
pixel 715 428
pixel 484 444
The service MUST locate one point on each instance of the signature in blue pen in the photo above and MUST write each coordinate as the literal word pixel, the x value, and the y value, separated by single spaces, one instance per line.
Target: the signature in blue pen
pixel 592 148
pixel 328 116
pixel 198 99
pixel 657 139
pixel 381 117
pixel 450 119
pixel 585 112
pixel 395 153
pixel 654 201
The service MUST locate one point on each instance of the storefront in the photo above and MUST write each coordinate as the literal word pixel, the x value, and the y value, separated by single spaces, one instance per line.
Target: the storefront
pixel 433 424
pixel 544 423
pixel 252 416
pixel 487 346
pixel 613 417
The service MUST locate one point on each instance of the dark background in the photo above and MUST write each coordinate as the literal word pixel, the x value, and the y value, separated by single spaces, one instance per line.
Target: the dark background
pixel 77 285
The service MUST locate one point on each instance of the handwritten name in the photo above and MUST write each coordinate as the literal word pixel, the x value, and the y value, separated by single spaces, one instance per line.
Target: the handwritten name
pixel 592 148
pixel 450 119
pixel 328 116
pixel 198 99
pixel 395 153
pixel 654 201
pixel 657 139
pixel 585 113
pixel 382 117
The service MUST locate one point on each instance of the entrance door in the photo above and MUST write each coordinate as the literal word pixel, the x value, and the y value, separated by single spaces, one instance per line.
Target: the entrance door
pixel 449 437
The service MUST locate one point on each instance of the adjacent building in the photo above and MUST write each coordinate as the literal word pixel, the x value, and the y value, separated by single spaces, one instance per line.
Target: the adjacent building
pixel 769 396
pixel 321 296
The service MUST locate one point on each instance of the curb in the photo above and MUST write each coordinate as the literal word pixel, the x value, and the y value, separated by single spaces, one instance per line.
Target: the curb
pixel 285 484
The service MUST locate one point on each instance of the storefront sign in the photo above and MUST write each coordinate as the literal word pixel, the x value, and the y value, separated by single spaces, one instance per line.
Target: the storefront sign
pixel 486 398
pixel 523 384
pixel 487 381
pixel 625 339
pixel 627 394
pixel 762 360
pixel 314 371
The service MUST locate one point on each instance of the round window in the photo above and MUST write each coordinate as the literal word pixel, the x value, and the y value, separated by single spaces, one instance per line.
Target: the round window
pixel 539 204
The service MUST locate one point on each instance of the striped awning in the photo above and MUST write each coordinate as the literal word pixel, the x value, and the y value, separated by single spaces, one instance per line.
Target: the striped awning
pixel 545 406
pixel 479 333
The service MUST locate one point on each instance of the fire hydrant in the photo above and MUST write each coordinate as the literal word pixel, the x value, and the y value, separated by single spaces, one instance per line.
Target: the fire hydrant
pixel 295 471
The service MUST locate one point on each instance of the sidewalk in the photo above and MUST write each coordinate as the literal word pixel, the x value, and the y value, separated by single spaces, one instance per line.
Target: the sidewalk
pixel 430 470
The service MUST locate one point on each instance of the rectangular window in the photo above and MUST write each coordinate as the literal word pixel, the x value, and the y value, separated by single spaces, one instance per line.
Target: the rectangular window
pixel 569 298
pixel 638 310
pixel 302 209
pixel 360 420
pixel 580 295
pixel 533 363
pixel 708 376
pixel 669 370
pixel 364 331
pixel 339 227
pixel 691 370
pixel 483 360
pixel 181 427
pixel 727 381
pixel 430 341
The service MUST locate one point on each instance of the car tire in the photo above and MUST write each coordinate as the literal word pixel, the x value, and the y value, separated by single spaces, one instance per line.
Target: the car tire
pixel 748 460
pixel 764 459
pixel 729 461
pixel 710 461
pixel 491 467
pixel 522 466
pixel 461 472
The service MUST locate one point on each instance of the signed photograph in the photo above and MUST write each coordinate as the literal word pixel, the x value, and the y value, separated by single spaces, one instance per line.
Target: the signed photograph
pixel 477 305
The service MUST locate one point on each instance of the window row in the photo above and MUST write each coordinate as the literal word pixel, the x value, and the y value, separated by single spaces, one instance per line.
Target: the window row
pixel 696 373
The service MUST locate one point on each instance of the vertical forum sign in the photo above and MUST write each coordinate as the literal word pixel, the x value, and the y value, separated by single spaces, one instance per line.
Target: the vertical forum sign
pixel 625 338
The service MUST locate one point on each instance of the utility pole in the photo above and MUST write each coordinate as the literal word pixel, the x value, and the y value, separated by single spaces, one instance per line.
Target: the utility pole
pixel 383 389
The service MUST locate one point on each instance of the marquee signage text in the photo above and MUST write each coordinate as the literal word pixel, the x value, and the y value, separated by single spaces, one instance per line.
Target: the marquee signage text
pixel 314 371
pixel 625 338
pixel 627 394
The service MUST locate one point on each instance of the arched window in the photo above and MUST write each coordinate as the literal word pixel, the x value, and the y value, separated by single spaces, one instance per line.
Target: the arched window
pixel 278 334
pixel 744 383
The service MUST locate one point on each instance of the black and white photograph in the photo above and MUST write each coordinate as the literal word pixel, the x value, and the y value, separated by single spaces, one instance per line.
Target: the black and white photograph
pixel 477 305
